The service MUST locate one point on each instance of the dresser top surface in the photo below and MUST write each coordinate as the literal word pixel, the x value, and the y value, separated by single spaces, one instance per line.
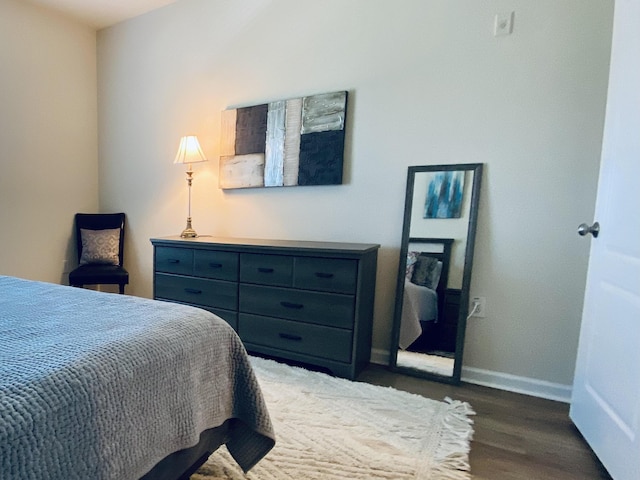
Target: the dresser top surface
pixel 229 242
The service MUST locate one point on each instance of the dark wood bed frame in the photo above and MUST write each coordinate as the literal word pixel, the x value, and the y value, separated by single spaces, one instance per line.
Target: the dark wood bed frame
pixel 184 463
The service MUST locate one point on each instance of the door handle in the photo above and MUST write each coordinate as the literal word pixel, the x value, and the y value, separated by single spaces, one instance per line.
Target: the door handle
pixel 585 229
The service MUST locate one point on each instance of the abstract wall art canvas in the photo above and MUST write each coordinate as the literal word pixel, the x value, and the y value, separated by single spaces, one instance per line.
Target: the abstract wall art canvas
pixel 444 195
pixel 299 141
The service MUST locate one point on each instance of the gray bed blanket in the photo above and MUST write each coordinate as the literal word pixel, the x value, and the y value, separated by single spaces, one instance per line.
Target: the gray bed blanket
pixel 419 304
pixel 103 386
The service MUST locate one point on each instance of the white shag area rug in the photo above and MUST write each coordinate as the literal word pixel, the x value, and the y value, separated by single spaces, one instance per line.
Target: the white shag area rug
pixel 333 429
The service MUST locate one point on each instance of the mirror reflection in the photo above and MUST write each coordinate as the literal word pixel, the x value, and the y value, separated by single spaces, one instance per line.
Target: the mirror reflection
pixel 435 270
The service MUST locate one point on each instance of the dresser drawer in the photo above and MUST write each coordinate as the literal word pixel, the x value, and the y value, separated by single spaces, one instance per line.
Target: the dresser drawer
pixel 174 260
pixel 197 291
pixel 266 269
pixel 315 340
pixel 312 307
pixel 325 274
pixel 218 265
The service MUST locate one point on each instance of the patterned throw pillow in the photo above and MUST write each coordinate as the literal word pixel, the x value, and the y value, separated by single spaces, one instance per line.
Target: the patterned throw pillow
pixel 100 246
pixel 412 258
pixel 426 271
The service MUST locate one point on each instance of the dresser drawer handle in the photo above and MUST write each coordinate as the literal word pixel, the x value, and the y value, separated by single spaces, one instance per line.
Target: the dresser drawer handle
pixel 295 306
pixel 215 265
pixel 265 270
pixel 173 260
pixel 195 291
pixel 288 336
pixel 324 275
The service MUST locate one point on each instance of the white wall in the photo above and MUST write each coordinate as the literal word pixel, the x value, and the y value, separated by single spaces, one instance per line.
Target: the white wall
pixel 48 138
pixel 428 84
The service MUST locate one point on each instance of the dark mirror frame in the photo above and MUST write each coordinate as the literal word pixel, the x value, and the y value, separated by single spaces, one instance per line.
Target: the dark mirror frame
pixel 476 168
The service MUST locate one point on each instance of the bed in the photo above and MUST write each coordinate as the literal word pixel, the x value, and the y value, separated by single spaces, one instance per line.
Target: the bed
pixel 102 386
pixel 424 287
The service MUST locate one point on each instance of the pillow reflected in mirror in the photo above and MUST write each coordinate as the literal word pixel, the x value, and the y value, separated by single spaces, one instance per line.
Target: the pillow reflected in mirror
pixel 426 271
pixel 412 258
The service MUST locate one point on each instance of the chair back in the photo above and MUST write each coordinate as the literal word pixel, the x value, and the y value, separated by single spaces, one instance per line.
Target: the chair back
pixel 100 221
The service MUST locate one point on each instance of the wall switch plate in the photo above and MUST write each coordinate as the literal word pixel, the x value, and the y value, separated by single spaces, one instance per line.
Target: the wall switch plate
pixel 503 24
pixel 480 305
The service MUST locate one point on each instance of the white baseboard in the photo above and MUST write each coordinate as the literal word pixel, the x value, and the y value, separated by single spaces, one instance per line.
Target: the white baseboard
pixel 500 381
pixel 517 384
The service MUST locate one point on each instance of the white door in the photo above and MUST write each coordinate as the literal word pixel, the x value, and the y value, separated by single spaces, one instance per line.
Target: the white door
pixel 605 405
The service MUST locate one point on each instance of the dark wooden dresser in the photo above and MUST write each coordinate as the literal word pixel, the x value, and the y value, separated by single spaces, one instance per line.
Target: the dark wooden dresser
pixel 310 302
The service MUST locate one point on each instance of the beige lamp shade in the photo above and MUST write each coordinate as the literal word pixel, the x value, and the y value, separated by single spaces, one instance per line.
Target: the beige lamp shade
pixel 189 151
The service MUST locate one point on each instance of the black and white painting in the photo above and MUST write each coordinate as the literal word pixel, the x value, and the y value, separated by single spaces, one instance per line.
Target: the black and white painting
pixel 292 142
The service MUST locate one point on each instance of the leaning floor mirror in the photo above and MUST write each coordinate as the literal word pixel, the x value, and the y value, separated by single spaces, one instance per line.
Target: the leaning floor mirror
pixel 434 274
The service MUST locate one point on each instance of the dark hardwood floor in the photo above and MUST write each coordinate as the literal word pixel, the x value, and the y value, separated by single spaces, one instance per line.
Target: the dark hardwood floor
pixel 515 436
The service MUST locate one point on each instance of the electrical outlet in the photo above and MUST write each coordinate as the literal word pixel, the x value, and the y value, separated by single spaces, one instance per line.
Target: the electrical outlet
pixel 478 307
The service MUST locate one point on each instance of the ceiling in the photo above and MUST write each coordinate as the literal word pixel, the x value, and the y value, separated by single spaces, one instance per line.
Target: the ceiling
pixel 102 13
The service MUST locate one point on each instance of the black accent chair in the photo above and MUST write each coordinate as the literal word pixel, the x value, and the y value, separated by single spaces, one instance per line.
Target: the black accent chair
pixel 92 269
